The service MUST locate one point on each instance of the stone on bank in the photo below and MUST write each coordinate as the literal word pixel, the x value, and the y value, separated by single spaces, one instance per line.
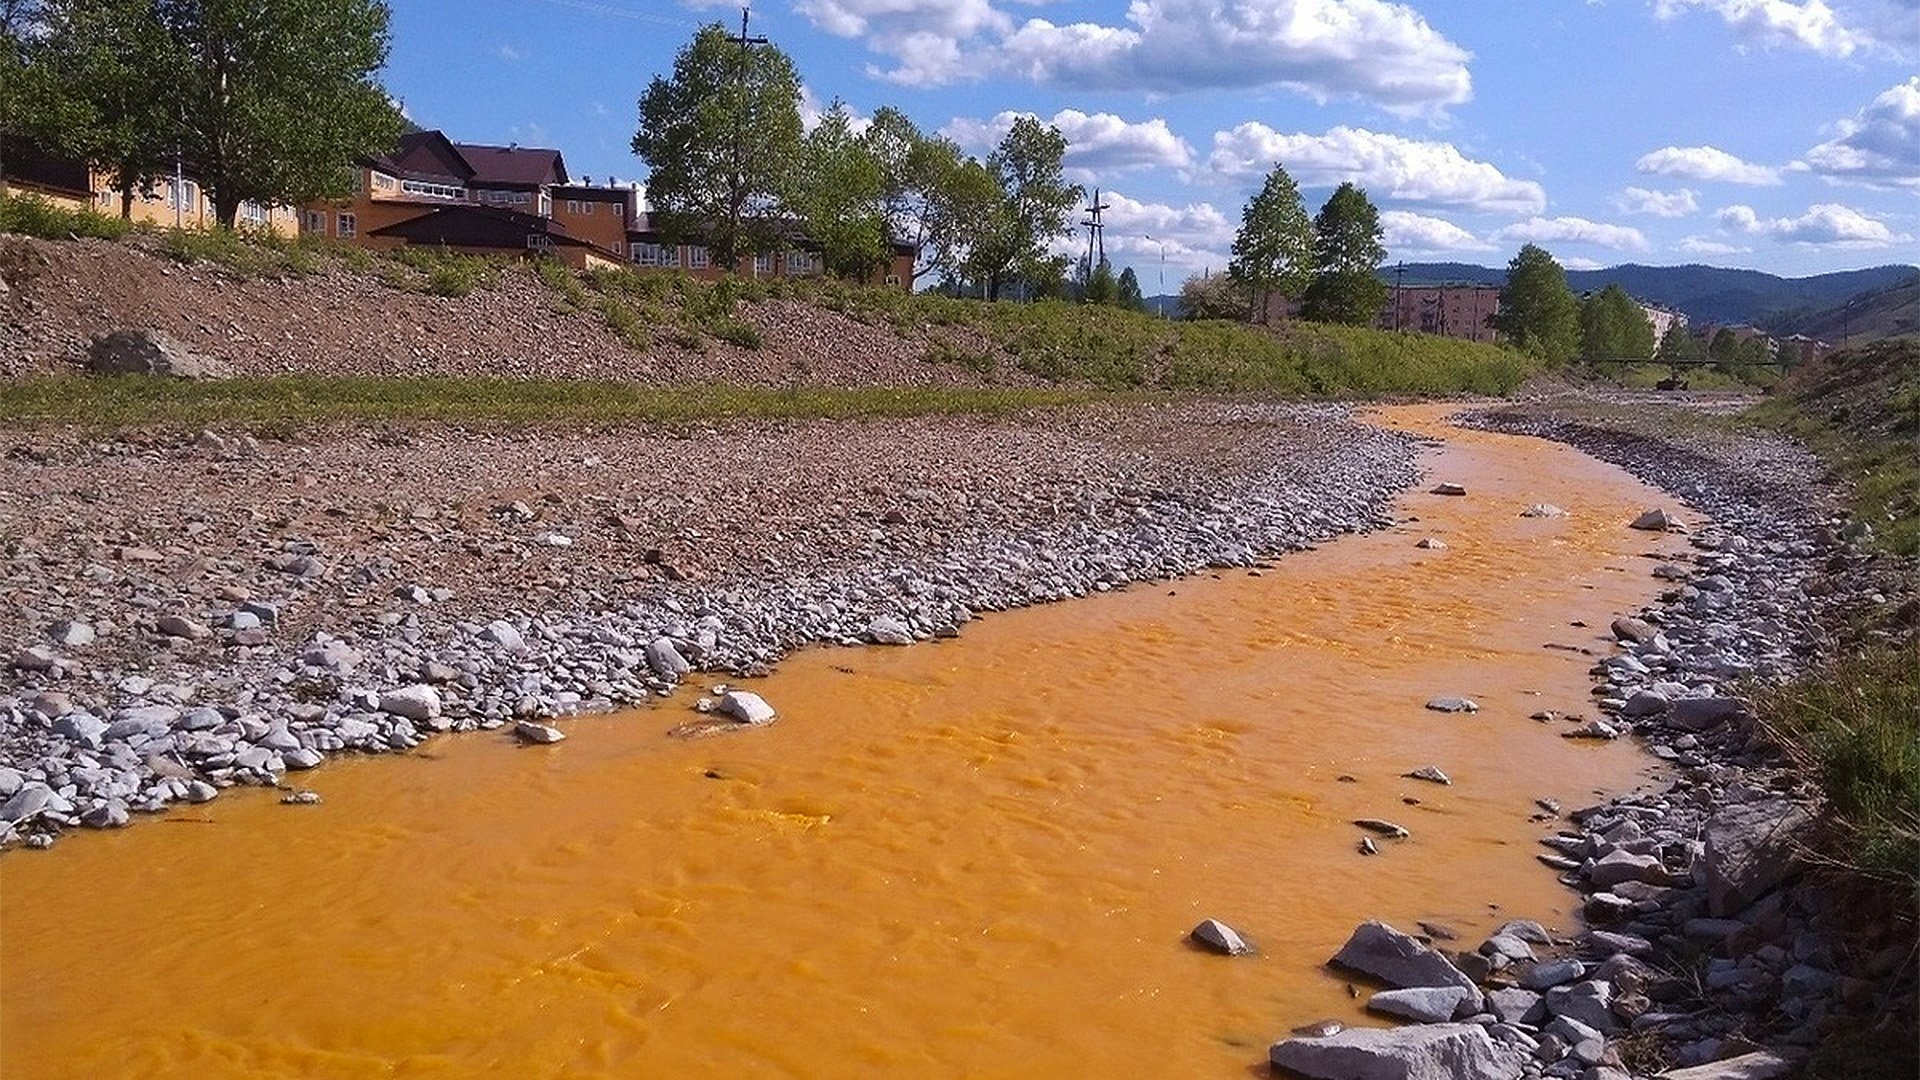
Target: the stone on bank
pixel 1427 1052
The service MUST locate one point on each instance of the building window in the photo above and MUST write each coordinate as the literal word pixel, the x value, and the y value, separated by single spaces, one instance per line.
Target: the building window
pixel 763 262
pixel 432 191
pixel 346 225
pixel 253 213
pixel 359 182
pixel 586 207
pixel 573 206
pixel 669 255
pixel 383 181
pixel 185 196
pixel 798 263
pixel 546 204
pixel 648 254
pixel 697 257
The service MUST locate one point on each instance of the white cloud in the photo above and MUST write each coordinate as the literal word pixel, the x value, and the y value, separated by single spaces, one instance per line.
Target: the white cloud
pixel 1388 166
pixel 1574 230
pixel 1575 262
pixel 1706 245
pixel 1666 204
pixel 1880 146
pixel 812 112
pixel 509 54
pixel 1407 233
pixel 1778 23
pixel 1706 163
pixel 923 37
pixel 1824 225
pixel 1193 237
pixel 1382 52
pixel 1098 144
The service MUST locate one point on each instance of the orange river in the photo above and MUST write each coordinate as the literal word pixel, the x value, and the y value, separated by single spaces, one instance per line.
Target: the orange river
pixel 969 858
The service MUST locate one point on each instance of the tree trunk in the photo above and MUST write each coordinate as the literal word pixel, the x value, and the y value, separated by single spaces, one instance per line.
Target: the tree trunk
pixel 126 202
pixel 226 208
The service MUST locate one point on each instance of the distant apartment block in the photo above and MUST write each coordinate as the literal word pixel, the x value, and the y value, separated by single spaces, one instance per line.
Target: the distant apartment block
pixel 170 202
pixel 1458 311
pixel 506 200
pixel 1662 319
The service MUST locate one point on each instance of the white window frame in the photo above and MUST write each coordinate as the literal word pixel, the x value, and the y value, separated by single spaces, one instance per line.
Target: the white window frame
pixel 698 257
pixel 799 263
pixel 183 195
pixel 647 254
pixel 670 256
pixel 347 226
pixel 762 263
pixel 429 190
pixel 573 206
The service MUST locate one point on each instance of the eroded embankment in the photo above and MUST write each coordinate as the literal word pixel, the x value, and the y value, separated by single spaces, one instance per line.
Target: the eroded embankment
pixel 974 857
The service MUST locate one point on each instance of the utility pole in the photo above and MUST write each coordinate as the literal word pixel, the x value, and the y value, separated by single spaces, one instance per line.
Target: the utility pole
pixel 736 198
pixel 1096 238
pixel 1162 298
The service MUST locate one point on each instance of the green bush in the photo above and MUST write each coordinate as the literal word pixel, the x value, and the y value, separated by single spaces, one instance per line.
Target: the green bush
pixel 31 215
pixel 448 273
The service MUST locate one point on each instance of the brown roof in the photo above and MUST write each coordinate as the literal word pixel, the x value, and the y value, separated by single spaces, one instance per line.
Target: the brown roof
pixel 469 225
pixel 514 165
pixel 430 155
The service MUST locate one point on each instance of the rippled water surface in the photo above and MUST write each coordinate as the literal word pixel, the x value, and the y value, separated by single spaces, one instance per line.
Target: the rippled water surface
pixel 976 857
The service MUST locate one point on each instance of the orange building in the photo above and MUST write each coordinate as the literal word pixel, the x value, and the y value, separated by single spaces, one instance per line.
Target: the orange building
pixel 1458 311
pixel 173 202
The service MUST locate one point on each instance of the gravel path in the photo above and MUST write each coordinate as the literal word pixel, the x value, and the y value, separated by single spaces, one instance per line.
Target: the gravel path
pixel 183 615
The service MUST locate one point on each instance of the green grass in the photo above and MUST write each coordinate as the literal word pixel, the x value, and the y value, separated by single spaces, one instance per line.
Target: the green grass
pixel 294 403
pixel 1855 723
pixel 31 215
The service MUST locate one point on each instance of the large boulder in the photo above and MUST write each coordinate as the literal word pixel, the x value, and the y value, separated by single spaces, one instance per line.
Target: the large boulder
pixel 139 351
pixel 1218 937
pixel 1424 1004
pixel 1760 1065
pixel 1751 847
pixel 1399 960
pixel 746 707
pixel 665 661
pixel 1428 1052
pixel 419 702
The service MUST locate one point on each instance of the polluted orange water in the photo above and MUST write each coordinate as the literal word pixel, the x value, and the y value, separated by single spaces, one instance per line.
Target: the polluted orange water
pixel 971 858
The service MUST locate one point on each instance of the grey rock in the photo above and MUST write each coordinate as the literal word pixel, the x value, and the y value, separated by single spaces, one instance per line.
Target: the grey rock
pixel 1382 827
pixel 887 630
pixel 1425 1004
pixel 199 791
pixel 302 757
pixel 111 814
pixel 1750 848
pixel 537 734
pixel 418 702
pixel 71 635
pixel 664 659
pixel 243 620
pixel 1219 937
pixel 1453 705
pixel 27 803
pixel 1399 960
pixel 1760 1065
pixel 10 781
pixel 180 627
pixel 1543 510
pixel 1429 773
pixel 1449 489
pixel 1638 631
pixel 1621 866
pixel 505 635
pixel 1551 973
pixel 1644 703
pixel 35 658
pixel 746 707
pixel 1431 544
pixel 1426 1052
pixel 1506 945
pixel 1701 714
pixel 1655 520
pixel 1514 1005
pixel 144 351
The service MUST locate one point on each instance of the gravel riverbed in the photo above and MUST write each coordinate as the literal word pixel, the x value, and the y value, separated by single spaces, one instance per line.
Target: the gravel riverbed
pixel 182 614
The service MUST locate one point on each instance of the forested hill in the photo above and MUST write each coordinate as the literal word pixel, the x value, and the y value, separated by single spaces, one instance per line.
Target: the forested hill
pixel 1882 313
pixel 1704 293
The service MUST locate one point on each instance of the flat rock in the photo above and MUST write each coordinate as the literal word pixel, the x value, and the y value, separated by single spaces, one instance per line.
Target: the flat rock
pixel 1655 520
pixel 1760 1065
pixel 1750 848
pixel 418 702
pixel 1429 773
pixel 1700 714
pixel 180 627
pixel 1449 489
pixel 887 630
pixel 1543 510
pixel 746 706
pixel 1426 1052
pixel 1453 705
pixel 1638 631
pixel 35 658
pixel 1383 827
pixel 1620 866
pixel 1551 973
pixel 1424 1004
pixel 537 734
pixel 1219 937
pixel 1397 959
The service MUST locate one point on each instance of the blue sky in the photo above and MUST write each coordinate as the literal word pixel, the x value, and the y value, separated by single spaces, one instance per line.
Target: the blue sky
pixel 1781 135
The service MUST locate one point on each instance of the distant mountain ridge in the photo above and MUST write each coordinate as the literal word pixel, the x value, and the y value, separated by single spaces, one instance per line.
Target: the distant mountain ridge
pixel 1704 293
pixel 1881 313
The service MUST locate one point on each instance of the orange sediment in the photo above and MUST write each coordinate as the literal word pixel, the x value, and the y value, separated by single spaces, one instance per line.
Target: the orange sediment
pixel 975 858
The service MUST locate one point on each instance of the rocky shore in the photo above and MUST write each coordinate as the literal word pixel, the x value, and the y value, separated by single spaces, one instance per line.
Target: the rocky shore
pixel 1710 954
pixel 182 614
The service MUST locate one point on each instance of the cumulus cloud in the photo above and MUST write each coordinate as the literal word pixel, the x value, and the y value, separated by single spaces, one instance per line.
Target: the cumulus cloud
pixel 1375 50
pixel 1388 166
pixel 923 37
pixel 1824 225
pixel 1407 233
pixel 1382 52
pixel 1666 204
pixel 1098 144
pixel 1706 163
pixel 1778 23
pixel 812 112
pixel 1706 245
pixel 1880 145
pixel 1575 230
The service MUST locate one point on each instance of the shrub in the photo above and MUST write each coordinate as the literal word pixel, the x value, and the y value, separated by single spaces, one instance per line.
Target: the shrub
pixel 31 215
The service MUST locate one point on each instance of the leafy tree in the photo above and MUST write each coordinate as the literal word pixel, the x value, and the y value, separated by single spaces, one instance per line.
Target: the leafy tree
pixel 1034 205
pixel 1612 326
pixel 1274 249
pixel 720 140
pixel 1101 286
pixel 1678 343
pixel 1212 296
pixel 1538 313
pixel 36 102
pixel 919 174
pixel 838 193
pixel 117 61
pixel 1128 291
pixel 960 203
pixel 1347 252
pixel 276 97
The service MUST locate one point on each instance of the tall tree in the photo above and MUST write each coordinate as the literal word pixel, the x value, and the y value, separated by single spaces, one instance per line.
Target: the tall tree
pixel 277 97
pixel 720 139
pixel 916 171
pixel 1127 293
pixel 1212 296
pixel 1347 252
pixel 961 206
pixel 1613 327
pixel 1101 286
pixel 1273 251
pixel 36 103
pixel 1678 343
pixel 117 60
pixel 1538 313
pixel 838 193
pixel 1035 204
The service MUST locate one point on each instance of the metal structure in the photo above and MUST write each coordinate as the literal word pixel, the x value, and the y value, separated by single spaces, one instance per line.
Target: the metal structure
pixel 1096 238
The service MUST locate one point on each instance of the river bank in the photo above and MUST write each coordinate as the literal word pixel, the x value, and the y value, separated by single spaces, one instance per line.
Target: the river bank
pixel 185 614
